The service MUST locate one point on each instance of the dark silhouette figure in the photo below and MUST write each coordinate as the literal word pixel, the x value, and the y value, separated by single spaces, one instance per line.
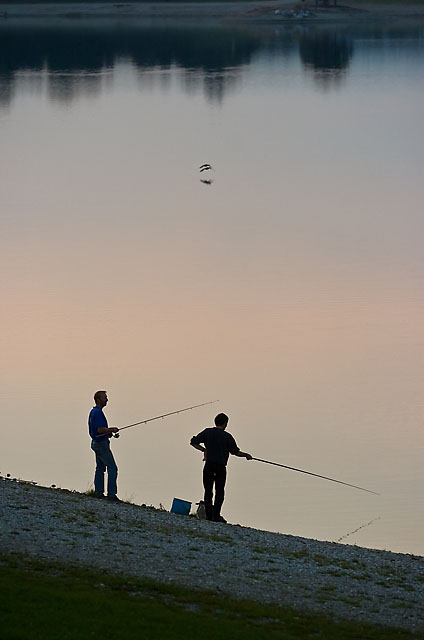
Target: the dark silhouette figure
pixel 100 434
pixel 218 444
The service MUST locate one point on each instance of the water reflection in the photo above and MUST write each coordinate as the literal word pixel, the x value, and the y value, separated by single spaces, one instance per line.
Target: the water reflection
pixel 77 57
pixel 327 54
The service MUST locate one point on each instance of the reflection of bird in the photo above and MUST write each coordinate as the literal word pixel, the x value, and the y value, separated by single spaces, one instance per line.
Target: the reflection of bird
pixel 205 167
pixel 206 181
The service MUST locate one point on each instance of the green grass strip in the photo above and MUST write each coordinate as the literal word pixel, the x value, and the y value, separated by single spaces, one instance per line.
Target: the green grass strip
pixel 43 600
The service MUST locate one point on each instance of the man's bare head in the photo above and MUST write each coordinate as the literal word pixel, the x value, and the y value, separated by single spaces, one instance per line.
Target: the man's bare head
pixel 100 398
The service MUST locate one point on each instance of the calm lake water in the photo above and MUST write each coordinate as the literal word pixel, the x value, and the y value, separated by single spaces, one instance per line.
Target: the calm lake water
pixel 290 287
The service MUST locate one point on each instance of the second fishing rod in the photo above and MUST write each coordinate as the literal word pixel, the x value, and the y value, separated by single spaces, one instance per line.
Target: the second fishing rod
pixel 164 415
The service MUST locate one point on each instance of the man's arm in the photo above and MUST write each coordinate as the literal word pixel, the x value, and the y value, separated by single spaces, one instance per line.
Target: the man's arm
pixel 198 447
pixel 236 451
pixel 196 440
pixel 242 454
pixel 106 431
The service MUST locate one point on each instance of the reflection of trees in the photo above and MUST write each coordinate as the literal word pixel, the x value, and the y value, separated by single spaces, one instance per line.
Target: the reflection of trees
pixel 7 91
pixel 64 87
pixel 326 53
pixel 76 57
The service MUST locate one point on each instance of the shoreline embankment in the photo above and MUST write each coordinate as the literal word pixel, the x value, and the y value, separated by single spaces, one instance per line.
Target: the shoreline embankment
pixel 340 581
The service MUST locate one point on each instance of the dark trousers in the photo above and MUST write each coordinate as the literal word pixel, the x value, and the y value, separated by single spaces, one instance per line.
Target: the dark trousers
pixel 214 474
pixel 104 460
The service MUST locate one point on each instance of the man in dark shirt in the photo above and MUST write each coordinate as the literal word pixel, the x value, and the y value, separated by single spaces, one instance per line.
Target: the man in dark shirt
pixel 218 445
pixel 100 443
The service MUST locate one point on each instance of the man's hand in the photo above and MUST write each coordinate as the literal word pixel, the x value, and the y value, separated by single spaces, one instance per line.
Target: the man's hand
pixel 248 456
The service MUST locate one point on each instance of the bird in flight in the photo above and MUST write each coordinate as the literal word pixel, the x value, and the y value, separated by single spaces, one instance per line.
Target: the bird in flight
pixel 205 167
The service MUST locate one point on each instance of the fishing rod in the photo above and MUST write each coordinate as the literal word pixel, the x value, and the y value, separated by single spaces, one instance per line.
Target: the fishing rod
pixel 316 475
pixel 165 415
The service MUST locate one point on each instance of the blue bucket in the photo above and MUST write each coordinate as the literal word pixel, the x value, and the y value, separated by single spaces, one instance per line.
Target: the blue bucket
pixel 180 506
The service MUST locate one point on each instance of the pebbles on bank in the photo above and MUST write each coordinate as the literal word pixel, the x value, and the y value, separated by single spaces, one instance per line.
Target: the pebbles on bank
pixel 339 580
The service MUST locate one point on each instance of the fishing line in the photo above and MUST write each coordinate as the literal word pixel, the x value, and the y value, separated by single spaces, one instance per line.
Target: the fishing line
pixel 367 524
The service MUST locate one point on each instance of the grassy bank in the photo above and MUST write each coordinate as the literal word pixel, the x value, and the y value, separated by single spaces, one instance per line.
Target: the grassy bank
pixel 42 600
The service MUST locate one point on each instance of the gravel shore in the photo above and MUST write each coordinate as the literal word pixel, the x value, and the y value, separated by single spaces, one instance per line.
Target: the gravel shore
pixel 339 580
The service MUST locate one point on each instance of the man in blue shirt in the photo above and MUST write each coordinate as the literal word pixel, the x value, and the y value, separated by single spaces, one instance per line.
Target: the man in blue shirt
pixel 100 434
pixel 218 446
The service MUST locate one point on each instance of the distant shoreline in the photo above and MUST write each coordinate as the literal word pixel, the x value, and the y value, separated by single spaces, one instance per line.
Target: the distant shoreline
pixel 285 11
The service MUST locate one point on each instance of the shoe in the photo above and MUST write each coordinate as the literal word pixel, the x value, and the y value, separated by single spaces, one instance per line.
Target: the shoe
pixel 113 499
pixel 220 519
pixel 99 496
